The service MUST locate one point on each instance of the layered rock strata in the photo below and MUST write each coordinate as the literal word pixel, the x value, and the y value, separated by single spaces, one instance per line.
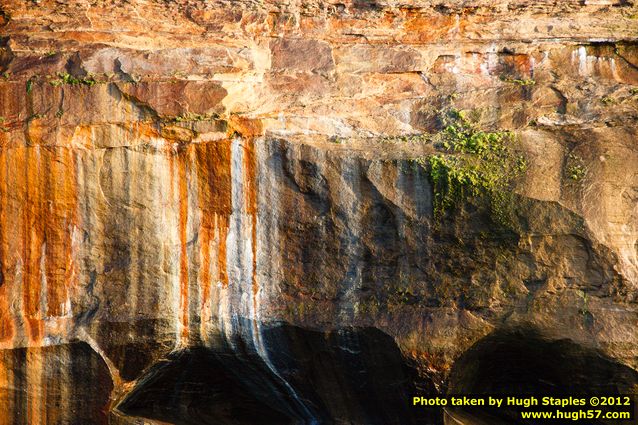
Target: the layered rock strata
pixel 179 176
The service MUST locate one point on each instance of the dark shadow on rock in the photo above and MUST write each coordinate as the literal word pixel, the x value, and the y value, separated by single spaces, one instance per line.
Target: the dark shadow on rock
pixel 193 387
pixel 351 375
pixel 521 361
pixel 66 384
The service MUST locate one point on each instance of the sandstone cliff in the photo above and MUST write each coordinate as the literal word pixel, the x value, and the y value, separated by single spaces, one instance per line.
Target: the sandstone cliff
pixel 179 176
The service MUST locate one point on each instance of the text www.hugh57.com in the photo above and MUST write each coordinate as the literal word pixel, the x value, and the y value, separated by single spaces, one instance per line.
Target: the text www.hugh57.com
pixel 576 415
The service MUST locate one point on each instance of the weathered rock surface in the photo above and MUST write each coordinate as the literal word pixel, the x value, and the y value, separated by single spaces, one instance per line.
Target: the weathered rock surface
pixel 179 176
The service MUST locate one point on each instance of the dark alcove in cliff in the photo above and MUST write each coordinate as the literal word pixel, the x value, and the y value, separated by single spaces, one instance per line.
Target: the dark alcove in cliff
pixel 345 376
pixel 522 361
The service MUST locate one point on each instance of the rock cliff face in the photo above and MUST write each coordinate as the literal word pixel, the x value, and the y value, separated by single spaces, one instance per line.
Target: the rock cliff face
pixel 225 212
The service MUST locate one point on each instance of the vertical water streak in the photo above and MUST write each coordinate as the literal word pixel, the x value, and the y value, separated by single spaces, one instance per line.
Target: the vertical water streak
pixel 350 200
pixel 239 260
pixel 582 61
pixel 239 311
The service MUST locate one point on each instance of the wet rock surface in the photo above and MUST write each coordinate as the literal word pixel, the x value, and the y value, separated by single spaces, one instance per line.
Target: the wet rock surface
pixel 179 177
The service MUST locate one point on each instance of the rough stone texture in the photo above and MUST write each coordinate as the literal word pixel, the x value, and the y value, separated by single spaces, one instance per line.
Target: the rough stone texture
pixel 195 193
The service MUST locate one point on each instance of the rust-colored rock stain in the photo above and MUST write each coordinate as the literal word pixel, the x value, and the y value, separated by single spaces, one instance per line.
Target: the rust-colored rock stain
pixel 32 230
pixel 182 184
pixel 250 190
pixel 6 242
pixel 424 29
pixel 61 269
pixel 208 165
pixel 36 387
pixel 214 190
pixel 39 214
pixel 249 129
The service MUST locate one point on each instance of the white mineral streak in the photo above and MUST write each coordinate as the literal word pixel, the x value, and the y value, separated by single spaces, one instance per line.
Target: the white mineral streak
pixel 349 198
pixel 583 68
pixel 239 315
pixel 614 69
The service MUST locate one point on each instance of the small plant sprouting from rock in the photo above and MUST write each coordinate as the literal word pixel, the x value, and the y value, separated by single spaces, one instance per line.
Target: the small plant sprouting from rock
pixel 410 138
pixel 473 163
pixel 190 116
pixel 584 310
pixel 575 168
pixel 576 172
pixel 68 79
pixel 402 296
pixel 3 128
pixel 518 81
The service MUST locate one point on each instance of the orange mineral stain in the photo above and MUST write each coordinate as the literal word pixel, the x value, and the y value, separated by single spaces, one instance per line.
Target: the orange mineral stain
pixel 426 29
pixel 182 184
pixel 214 193
pixel 249 129
pixel 6 240
pixel 33 237
pixel 61 268
pixel 250 185
pixel 36 387
pixel 39 212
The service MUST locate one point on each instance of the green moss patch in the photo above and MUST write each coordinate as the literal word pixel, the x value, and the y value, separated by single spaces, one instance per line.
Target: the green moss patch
pixel 68 79
pixel 473 163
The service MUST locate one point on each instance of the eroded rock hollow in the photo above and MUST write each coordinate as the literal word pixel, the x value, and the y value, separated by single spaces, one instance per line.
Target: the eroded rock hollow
pixel 306 212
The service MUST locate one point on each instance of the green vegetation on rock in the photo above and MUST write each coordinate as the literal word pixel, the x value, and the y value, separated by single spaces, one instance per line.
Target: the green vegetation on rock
pixel 473 163
pixel 518 81
pixel 575 168
pixel 470 163
pixel 190 116
pixel 68 79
